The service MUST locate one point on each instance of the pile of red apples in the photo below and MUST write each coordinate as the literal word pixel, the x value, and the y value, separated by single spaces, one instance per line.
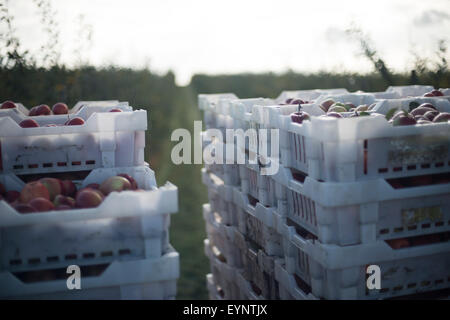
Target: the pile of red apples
pixel 44 110
pixel 49 194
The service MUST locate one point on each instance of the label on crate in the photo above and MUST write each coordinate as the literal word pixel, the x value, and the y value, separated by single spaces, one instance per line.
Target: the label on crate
pixel 418 150
pixel 417 215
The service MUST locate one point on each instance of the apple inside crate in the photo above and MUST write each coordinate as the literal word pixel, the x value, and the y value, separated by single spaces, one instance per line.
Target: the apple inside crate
pixel 143 279
pixel 111 139
pixel 82 109
pixel 126 225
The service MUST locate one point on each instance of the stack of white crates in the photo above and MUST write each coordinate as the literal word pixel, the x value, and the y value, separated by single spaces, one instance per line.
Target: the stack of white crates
pixel 121 247
pixel 350 196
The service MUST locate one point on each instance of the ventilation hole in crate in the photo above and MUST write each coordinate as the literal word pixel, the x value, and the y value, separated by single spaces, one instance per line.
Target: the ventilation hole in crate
pixel 439 281
pixel 384 231
pixel 439 224
pixel 299 176
pixel 425 226
pixel 15 262
pixel 384 290
pixel 90 162
pixel 34 261
pixel 398 288
pixel 253 201
pixel 18 167
pixel 411 228
pixel 106 254
pixel 33 166
pixel 70 256
pixel 411 285
pixel 382 170
pixel 76 163
pixel 88 255
pixel 425 283
pixel 398 229
pixel 425 166
pixel 302 284
pixel 397 169
pixel 439 164
pixel 255 288
pixel 123 252
pixel 53 259
pixel 411 167
pixel 47 165
pixel 61 164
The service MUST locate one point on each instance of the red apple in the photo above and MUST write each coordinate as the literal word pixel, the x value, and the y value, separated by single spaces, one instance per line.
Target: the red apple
pixel 333 114
pixel 53 186
pixel 442 117
pixel 299 116
pixel 60 108
pixel 29 123
pixel 88 198
pixel 297 101
pixel 404 120
pixel 32 111
pixel 130 179
pixel 33 190
pixel 12 196
pixel 430 115
pixel 115 183
pixel 420 110
pixel 115 110
pixel 437 93
pixel 398 243
pixel 63 200
pixel 8 105
pixel 43 110
pixel 41 204
pixel 24 208
pixel 2 189
pixel 428 94
pixel 68 188
pixel 327 104
pixel 77 121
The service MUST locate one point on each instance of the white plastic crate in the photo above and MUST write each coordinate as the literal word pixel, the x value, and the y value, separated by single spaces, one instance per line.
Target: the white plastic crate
pixel 220 196
pixel 364 148
pixel 223 274
pixel 256 223
pixel 290 287
pixel 339 272
pixel 258 267
pixel 221 236
pixel 361 212
pixel 82 109
pixel 153 278
pixel 129 224
pixel 110 139
pixel 215 292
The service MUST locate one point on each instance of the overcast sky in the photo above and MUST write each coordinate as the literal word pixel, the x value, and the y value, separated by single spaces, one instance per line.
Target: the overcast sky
pixel 207 36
